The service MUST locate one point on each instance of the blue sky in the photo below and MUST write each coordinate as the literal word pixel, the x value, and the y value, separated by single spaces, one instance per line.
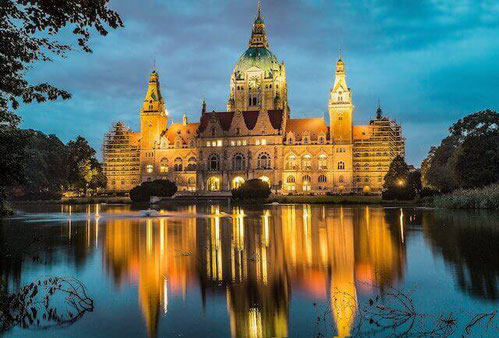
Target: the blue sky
pixel 429 62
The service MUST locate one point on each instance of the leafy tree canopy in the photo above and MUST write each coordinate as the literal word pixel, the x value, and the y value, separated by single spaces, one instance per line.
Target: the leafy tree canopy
pixel 468 157
pixel 400 184
pixel 27 35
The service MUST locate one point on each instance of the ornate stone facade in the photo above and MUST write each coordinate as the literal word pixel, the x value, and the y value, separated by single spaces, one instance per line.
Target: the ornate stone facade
pixel 257 138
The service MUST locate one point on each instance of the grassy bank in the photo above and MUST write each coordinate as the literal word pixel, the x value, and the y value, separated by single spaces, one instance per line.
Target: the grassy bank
pixel 335 199
pixel 484 198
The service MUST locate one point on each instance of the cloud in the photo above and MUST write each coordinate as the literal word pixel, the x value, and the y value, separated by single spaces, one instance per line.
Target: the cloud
pixel 430 62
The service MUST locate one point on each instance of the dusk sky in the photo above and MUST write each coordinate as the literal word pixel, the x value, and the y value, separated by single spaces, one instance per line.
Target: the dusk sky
pixel 429 62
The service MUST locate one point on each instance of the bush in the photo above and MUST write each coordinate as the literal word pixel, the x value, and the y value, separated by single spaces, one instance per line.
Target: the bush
pixel 254 188
pixel 484 198
pixel 428 192
pixel 160 188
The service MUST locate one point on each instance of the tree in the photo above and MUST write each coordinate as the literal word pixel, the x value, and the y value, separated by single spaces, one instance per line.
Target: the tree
pixel 468 157
pixel 160 188
pixel 477 163
pixel 27 30
pixel 83 167
pixel 254 188
pixel 397 185
pixel 11 163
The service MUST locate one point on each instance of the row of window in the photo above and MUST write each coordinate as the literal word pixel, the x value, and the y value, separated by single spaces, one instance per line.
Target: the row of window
pixel 219 143
pixel 306 163
pixel 239 162
pixel 306 179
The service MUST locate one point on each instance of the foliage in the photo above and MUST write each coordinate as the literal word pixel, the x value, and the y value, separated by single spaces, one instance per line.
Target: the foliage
pixel 478 198
pixel 254 188
pixel 400 184
pixel 44 166
pixel 27 30
pixel 46 303
pixel 160 188
pixel 468 157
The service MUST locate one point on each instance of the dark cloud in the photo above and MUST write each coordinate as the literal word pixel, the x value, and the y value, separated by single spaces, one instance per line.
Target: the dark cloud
pixel 430 62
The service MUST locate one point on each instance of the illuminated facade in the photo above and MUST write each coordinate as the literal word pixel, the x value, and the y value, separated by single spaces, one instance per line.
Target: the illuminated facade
pixel 257 138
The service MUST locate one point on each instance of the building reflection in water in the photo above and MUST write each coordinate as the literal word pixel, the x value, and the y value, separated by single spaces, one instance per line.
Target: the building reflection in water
pixel 255 258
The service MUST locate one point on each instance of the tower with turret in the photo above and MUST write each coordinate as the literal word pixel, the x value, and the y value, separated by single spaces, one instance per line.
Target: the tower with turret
pixel 340 107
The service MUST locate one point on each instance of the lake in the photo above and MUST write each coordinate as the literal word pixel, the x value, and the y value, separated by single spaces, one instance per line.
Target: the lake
pixel 257 271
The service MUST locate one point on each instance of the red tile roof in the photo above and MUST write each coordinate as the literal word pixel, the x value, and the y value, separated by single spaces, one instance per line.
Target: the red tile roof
pixel 314 126
pixel 185 132
pixel 224 118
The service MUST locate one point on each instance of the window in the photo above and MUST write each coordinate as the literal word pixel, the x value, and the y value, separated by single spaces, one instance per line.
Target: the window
pixel 306 162
pixel 322 179
pixel 305 140
pixel 191 180
pixel 238 131
pixel 263 161
pixel 264 142
pixel 192 144
pixel 191 163
pixel 257 142
pixel 321 139
pixel 178 164
pixel 322 162
pixel 219 143
pixel 213 184
pixel 290 179
pixel 244 142
pixel 238 162
pixel 237 182
pixel 208 143
pixel 232 143
pixel 291 162
pixel 265 179
pixel 213 162
pixel 163 166
pixel 341 165
pixel 341 179
pixel 213 131
pixel 306 182
pixel 149 168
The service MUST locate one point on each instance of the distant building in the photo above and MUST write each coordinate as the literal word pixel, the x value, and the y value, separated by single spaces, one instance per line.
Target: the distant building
pixel 255 138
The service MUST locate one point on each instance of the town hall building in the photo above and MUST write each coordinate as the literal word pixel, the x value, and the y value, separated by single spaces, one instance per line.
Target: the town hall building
pixel 255 137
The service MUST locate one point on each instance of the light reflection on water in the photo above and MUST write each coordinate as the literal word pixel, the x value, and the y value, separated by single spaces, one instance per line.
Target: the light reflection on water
pixel 255 271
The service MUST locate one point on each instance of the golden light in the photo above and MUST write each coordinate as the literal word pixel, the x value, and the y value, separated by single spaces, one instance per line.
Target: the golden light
pixel 400 182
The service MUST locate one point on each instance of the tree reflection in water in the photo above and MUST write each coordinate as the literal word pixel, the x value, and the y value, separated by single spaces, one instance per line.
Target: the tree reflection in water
pixel 259 256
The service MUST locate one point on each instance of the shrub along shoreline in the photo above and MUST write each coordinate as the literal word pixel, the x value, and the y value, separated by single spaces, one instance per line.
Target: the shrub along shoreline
pixel 479 198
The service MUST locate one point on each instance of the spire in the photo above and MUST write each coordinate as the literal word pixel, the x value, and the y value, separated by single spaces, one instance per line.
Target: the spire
pixel 379 112
pixel 153 100
pixel 204 106
pixel 258 36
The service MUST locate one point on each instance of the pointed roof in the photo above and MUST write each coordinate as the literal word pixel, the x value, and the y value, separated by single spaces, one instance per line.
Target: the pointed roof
pixel 313 126
pixel 153 88
pixel 258 36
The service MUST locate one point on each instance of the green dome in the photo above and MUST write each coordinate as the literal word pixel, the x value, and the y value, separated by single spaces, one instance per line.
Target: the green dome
pixel 257 57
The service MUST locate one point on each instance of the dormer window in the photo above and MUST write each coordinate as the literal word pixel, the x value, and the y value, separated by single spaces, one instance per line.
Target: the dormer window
pixel 213 131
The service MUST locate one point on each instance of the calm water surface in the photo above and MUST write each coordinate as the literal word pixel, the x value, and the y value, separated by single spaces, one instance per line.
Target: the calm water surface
pixel 263 271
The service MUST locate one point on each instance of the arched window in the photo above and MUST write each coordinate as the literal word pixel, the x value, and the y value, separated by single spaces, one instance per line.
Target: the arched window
pixel 238 162
pixel 178 164
pixel 213 184
pixel 191 180
pixel 341 165
pixel 322 162
pixel 263 161
pixel 321 139
pixel 163 165
pixel 306 140
pixel 306 179
pixel 291 162
pixel 265 179
pixel 149 168
pixel 306 162
pixel 322 179
pixel 191 163
pixel 341 179
pixel 213 162
pixel 290 179
pixel 237 182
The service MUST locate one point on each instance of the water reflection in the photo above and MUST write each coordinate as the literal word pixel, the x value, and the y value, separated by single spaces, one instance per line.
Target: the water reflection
pixel 255 257
pixel 258 258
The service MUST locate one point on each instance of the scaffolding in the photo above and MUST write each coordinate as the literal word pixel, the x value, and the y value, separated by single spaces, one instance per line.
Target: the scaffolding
pixel 372 156
pixel 121 158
